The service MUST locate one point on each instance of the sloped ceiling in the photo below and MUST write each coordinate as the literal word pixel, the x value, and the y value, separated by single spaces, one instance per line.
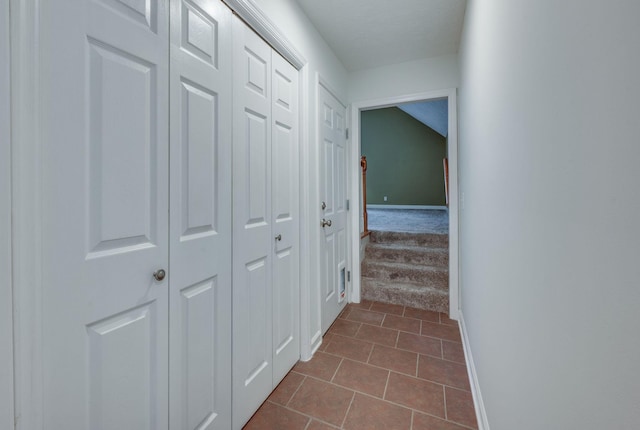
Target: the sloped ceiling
pixel 434 114
pixel 372 33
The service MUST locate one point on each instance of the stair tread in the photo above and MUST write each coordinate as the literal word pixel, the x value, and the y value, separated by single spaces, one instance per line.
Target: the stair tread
pixel 418 286
pixel 408 247
pixel 399 265
pixel 400 237
pixel 406 294
pixel 409 285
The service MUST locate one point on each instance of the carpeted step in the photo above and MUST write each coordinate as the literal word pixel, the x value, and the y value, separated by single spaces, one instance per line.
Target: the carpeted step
pixel 436 277
pixel 408 254
pixel 405 293
pixel 411 239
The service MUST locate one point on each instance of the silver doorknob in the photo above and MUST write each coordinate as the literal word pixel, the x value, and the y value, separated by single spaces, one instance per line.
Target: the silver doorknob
pixel 279 237
pixel 159 274
pixel 324 206
pixel 325 223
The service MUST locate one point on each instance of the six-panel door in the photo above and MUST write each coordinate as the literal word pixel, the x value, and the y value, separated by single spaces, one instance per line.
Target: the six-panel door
pixel 200 215
pixel 105 220
pixel 333 192
pixel 265 211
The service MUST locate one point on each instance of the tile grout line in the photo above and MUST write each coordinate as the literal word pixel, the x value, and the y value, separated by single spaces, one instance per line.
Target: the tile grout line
pixel 343 387
pixel 296 390
pixel 335 372
pixel 370 354
pixel 311 417
pixel 444 399
pixel 386 385
pixel 409 408
pixel 353 396
pixel 308 424
pixel 397 340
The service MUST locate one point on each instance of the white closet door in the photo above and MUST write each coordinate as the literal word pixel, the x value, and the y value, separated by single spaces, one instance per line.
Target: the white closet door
pixel 105 227
pixel 252 237
pixel 285 221
pixel 200 215
pixel 333 191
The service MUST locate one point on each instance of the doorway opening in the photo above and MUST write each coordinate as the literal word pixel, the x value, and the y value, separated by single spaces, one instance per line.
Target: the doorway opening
pixel 412 208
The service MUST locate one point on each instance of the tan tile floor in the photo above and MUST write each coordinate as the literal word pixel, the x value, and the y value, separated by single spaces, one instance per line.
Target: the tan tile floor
pixel 379 367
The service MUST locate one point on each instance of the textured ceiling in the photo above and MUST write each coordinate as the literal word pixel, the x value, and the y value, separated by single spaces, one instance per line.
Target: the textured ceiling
pixel 372 33
pixel 434 114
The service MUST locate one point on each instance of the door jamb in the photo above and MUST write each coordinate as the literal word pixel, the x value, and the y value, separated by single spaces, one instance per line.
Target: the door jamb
pixel 354 173
pixel 7 391
pixel 26 205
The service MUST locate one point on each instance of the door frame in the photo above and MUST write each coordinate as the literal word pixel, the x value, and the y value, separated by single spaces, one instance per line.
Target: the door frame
pixel 26 191
pixel 356 108
pixel 7 417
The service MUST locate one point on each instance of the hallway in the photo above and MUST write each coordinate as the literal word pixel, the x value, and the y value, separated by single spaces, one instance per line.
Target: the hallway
pixel 380 366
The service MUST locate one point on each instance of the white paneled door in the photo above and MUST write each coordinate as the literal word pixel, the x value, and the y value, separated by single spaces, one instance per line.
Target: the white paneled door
pixel 333 192
pixel 105 218
pixel 252 251
pixel 266 341
pixel 200 215
pixel 136 240
pixel 285 192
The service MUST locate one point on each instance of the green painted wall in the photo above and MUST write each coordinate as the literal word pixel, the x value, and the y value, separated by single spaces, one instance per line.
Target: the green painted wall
pixel 404 159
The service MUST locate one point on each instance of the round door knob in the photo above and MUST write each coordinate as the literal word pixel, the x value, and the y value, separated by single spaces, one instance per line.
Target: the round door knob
pixel 279 237
pixel 159 274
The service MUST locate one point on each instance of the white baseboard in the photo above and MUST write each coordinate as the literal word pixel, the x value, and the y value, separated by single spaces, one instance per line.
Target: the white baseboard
pixel 481 413
pixel 438 208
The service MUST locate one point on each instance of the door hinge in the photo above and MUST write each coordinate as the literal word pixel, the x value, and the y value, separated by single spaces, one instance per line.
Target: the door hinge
pixel 346 133
pixel 348 275
pixel 348 204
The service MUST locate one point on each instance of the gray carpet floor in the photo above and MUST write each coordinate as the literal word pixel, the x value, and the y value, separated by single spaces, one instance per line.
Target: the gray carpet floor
pixel 409 220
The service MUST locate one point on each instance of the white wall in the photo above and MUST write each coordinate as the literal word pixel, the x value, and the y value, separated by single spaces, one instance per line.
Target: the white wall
pixel 323 64
pixel 404 78
pixel 549 150
pixel 6 331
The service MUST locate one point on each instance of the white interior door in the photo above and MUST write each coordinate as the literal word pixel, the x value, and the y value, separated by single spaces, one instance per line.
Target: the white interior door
pixel 105 220
pixel 266 255
pixel 200 215
pixel 252 237
pixel 333 191
pixel 285 221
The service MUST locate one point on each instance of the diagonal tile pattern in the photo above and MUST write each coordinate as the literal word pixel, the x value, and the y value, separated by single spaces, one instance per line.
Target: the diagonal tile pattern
pixel 380 367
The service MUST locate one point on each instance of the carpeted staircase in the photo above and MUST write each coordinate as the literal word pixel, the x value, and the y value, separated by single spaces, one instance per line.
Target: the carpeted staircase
pixel 410 269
